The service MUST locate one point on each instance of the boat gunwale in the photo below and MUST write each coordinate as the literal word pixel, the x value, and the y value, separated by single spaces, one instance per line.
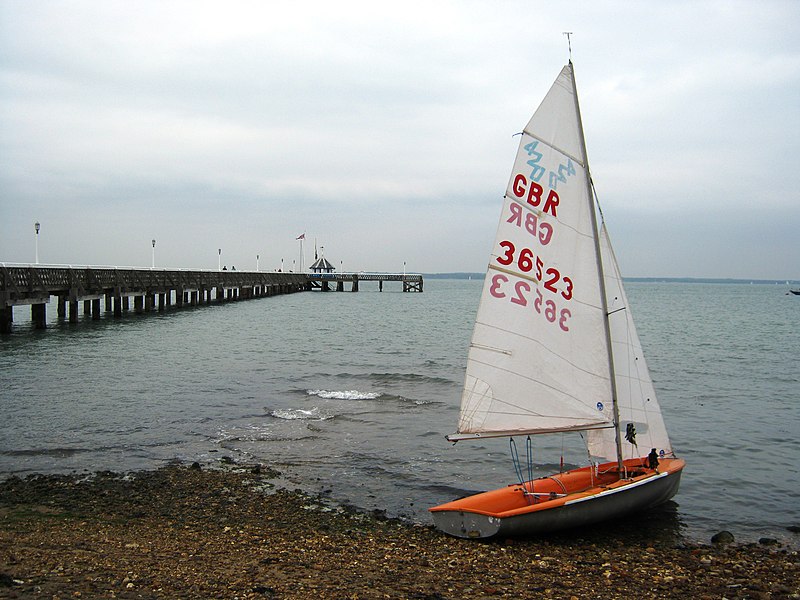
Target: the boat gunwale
pixel 674 466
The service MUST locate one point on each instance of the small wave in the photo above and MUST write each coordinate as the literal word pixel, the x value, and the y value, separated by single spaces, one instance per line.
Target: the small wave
pixel 57 452
pixel 394 378
pixel 357 395
pixel 416 401
pixel 291 414
pixel 405 400
pixel 344 395
pixel 232 443
pixel 262 433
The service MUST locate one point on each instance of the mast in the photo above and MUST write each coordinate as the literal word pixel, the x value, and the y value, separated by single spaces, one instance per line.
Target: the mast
pixel 600 273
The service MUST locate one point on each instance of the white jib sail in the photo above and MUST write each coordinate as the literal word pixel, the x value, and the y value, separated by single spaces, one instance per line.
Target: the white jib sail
pixel 636 395
pixel 538 360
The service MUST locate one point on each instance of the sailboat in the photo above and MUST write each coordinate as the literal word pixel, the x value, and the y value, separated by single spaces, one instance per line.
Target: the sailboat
pixel 554 348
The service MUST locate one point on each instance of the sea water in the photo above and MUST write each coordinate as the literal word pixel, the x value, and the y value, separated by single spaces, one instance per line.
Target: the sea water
pixel 350 395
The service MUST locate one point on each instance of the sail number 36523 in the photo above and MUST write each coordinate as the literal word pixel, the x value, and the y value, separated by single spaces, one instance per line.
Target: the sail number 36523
pixel 526 262
pixel 519 292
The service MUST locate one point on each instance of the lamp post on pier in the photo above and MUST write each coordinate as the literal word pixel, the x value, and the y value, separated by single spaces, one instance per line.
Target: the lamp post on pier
pixel 37 226
pixel 153 262
pixel 257 258
pixel 219 265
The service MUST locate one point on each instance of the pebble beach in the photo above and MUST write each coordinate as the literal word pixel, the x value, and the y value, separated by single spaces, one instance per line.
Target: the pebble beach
pixel 197 532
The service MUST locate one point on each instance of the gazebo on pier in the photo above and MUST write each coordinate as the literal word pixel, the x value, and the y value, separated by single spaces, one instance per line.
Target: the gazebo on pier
pixel 321 265
pixel 323 268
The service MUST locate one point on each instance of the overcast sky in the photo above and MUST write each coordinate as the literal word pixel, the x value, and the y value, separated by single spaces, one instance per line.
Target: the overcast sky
pixel 383 131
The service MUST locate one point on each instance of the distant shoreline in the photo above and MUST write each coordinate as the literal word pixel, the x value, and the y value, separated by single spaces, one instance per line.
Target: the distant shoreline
pixel 790 282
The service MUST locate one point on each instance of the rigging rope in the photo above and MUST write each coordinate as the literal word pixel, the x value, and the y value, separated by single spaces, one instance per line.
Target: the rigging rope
pixel 529 453
pixel 518 466
pixel 592 464
pixel 515 459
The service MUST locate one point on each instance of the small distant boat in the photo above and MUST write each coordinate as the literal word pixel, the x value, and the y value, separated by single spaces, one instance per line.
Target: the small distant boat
pixel 555 349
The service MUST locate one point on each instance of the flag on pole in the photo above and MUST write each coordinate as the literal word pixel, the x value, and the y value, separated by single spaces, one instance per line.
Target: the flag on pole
pixel 302 236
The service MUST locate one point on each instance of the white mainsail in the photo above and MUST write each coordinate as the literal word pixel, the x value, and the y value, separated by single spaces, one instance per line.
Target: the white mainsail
pixel 539 358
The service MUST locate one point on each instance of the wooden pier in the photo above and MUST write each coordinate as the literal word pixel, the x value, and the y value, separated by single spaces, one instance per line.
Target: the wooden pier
pixel 151 289
pixel 155 289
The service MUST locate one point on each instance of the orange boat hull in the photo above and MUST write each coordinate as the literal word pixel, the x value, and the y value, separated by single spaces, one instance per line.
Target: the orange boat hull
pixel 571 499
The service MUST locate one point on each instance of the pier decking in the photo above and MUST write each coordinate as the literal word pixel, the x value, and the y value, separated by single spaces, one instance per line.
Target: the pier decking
pixel 155 289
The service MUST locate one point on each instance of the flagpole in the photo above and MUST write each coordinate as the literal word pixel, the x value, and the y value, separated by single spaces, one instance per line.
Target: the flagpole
pixel 301 238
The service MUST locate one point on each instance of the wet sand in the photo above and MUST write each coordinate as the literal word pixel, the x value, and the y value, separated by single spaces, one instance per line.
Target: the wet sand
pixel 182 532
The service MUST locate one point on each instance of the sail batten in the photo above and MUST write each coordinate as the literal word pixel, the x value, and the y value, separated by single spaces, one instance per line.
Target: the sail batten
pixel 555 148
